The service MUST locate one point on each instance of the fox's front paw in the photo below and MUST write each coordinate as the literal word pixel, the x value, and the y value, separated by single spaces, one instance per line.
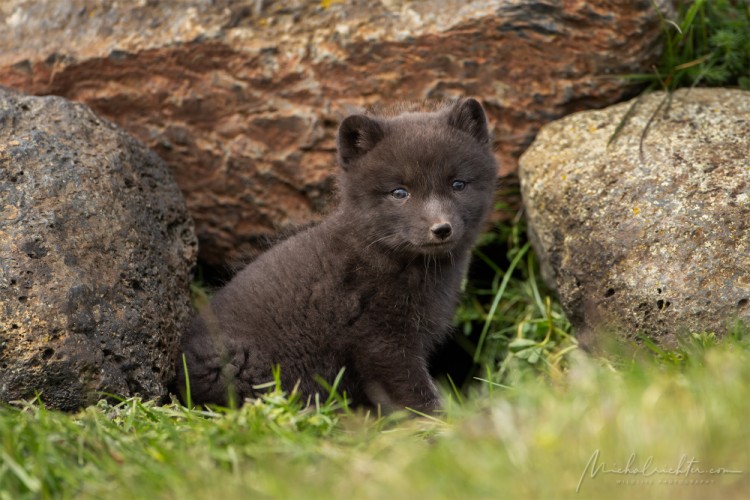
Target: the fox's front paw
pixel 431 406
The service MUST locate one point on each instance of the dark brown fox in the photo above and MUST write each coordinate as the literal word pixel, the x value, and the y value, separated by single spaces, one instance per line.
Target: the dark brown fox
pixel 373 287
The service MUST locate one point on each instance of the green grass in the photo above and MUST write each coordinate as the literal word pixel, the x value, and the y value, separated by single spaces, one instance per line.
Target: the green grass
pixel 708 44
pixel 532 440
pixel 511 325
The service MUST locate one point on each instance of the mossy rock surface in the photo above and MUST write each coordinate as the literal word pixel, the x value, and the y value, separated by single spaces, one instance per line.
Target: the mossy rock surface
pixel 649 234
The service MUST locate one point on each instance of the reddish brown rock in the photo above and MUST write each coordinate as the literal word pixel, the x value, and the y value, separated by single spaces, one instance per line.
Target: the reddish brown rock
pixel 242 98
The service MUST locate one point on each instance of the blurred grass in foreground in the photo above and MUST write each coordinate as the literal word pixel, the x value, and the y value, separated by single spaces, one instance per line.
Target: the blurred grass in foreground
pixel 532 440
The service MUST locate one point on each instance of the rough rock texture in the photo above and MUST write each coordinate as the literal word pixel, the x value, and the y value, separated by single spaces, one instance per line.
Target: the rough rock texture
pixel 242 98
pixel 96 250
pixel 657 241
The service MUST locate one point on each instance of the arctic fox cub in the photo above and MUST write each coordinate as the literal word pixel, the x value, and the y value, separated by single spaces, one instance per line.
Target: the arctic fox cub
pixel 373 287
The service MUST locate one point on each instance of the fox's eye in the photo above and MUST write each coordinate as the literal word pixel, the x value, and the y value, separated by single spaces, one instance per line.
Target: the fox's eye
pixel 458 185
pixel 400 193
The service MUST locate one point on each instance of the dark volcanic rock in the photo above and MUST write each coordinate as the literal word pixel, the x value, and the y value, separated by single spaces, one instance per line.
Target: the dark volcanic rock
pixel 96 249
pixel 653 241
pixel 242 98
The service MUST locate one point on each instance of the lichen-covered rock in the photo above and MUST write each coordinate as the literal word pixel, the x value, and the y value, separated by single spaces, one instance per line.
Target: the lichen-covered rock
pixel 96 250
pixel 650 238
pixel 242 99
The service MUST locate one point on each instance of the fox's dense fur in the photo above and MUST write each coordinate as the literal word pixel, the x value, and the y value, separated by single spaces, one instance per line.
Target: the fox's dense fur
pixel 373 287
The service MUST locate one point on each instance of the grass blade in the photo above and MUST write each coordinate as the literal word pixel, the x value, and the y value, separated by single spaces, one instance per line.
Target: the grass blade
pixel 496 301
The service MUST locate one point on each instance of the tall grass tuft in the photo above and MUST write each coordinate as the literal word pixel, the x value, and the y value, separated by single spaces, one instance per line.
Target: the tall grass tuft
pixel 511 324
pixel 708 44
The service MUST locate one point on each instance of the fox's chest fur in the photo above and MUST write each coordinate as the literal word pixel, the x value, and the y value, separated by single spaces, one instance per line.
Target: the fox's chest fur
pixel 373 288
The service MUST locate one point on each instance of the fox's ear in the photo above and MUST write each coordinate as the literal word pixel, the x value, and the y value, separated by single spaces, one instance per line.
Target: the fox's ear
pixel 358 134
pixel 468 116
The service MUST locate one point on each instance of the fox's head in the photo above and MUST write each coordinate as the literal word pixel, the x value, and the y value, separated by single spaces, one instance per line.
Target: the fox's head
pixel 418 182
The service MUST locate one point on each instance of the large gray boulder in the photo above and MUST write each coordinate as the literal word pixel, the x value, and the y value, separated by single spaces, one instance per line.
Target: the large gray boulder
pixel 650 234
pixel 96 249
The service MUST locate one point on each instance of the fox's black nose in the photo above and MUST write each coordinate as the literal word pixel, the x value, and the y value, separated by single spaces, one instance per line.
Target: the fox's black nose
pixel 441 230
